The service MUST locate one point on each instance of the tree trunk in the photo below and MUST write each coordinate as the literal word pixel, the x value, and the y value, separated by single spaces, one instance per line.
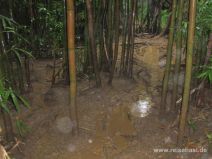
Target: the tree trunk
pixel 186 94
pixel 65 53
pixel 130 41
pixel 124 38
pixel 92 42
pixel 116 20
pixel 102 56
pixel 110 32
pixel 130 69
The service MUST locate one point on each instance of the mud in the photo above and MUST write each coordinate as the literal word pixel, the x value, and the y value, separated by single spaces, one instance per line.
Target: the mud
pixel 118 122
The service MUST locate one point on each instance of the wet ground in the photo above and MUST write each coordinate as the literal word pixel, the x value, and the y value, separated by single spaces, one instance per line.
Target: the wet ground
pixel 118 122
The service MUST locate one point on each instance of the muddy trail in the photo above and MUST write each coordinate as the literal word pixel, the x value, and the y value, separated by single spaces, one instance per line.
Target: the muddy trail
pixel 118 122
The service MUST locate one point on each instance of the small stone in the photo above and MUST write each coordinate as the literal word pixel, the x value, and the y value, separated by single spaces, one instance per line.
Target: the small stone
pixel 64 125
pixel 210 124
pixel 71 148
pixel 90 141
pixel 168 140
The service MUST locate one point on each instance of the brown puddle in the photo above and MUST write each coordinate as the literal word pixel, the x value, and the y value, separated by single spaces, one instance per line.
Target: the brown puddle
pixel 112 135
pixel 115 129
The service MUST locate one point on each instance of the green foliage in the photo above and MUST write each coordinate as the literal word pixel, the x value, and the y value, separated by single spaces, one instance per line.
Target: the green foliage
pixel 209 137
pixel 184 29
pixel 203 29
pixel 164 17
pixel 203 20
pixel 4 97
pixel 9 96
pixel 51 21
pixel 204 16
pixel 81 20
pixel 142 11
pixel 22 127
pixel 17 42
pixel 192 125
pixel 11 26
pixel 206 72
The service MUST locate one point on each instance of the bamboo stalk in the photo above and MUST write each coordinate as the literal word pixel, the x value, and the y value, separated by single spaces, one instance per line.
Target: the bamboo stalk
pixel 168 60
pixel 72 64
pixel 178 53
pixel 186 94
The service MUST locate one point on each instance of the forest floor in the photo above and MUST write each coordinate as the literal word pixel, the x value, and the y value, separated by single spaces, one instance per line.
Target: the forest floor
pixel 118 122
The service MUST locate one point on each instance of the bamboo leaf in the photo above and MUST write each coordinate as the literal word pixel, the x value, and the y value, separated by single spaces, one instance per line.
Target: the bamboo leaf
pixel 3 105
pixel 1 85
pixel 20 36
pixel 9 20
pixel 22 127
pixel 15 101
pixel 210 76
pixel 202 75
pixel 25 52
pixel 7 95
pixel 17 55
pixel 24 101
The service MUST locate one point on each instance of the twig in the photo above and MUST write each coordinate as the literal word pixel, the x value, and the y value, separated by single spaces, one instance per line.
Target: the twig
pixel 191 92
pixel 17 143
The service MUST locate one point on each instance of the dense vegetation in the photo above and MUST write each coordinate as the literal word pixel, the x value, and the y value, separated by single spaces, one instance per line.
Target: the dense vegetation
pixel 37 29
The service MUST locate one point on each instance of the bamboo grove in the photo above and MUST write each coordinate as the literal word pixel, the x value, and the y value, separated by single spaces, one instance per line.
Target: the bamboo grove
pixel 97 37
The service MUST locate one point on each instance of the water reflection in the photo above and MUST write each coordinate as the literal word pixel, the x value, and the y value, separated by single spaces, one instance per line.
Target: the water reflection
pixel 141 108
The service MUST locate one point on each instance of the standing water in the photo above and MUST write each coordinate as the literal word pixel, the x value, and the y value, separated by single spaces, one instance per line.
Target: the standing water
pixel 141 108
